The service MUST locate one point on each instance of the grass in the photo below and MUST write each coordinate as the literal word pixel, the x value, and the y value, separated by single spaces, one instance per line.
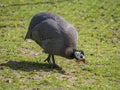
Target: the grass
pixel 22 65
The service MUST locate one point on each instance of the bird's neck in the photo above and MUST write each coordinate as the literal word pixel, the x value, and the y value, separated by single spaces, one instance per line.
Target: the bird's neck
pixel 69 53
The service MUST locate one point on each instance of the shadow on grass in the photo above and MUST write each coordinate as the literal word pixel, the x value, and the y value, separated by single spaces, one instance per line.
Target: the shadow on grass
pixel 30 66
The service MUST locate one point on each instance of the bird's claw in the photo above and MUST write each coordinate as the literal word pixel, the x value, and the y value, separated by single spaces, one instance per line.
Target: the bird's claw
pixel 56 66
pixel 45 60
pixel 48 60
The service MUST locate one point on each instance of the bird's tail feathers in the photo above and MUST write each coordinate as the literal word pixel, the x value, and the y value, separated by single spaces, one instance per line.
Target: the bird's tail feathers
pixel 28 35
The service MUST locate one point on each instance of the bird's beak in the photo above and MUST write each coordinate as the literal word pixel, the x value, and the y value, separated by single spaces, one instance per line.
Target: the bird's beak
pixel 81 60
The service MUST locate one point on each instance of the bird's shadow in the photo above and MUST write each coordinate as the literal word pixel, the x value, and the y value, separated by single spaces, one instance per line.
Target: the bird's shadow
pixel 28 66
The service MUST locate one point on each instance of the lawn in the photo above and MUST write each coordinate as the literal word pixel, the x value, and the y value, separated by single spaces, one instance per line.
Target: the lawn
pixel 22 65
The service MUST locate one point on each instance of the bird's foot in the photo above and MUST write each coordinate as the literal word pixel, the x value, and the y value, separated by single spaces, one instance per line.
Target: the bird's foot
pixel 55 66
pixel 48 60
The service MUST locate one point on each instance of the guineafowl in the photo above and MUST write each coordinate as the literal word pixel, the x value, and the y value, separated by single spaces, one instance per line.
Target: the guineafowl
pixel 56 36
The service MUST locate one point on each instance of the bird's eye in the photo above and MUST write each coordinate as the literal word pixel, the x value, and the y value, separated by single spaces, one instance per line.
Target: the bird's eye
pixel 81 56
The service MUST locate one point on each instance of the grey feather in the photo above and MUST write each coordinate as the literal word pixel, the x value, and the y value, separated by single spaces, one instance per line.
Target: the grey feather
pixel 53 33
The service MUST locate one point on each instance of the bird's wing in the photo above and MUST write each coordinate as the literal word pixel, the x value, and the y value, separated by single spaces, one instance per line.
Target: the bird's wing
pixel 48 29
pixel 49 36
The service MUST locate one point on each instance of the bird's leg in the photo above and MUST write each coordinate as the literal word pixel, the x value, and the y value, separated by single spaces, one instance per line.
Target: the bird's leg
pixel 48 59
pixel 54 64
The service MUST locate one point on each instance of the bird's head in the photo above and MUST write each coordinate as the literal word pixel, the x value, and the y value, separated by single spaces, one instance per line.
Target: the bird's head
pixel 79 55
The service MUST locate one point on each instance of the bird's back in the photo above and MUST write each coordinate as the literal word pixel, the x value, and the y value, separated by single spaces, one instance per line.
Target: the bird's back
pixel 44 16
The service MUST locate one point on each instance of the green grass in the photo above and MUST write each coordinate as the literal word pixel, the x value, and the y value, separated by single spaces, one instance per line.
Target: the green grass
pixel 22 65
